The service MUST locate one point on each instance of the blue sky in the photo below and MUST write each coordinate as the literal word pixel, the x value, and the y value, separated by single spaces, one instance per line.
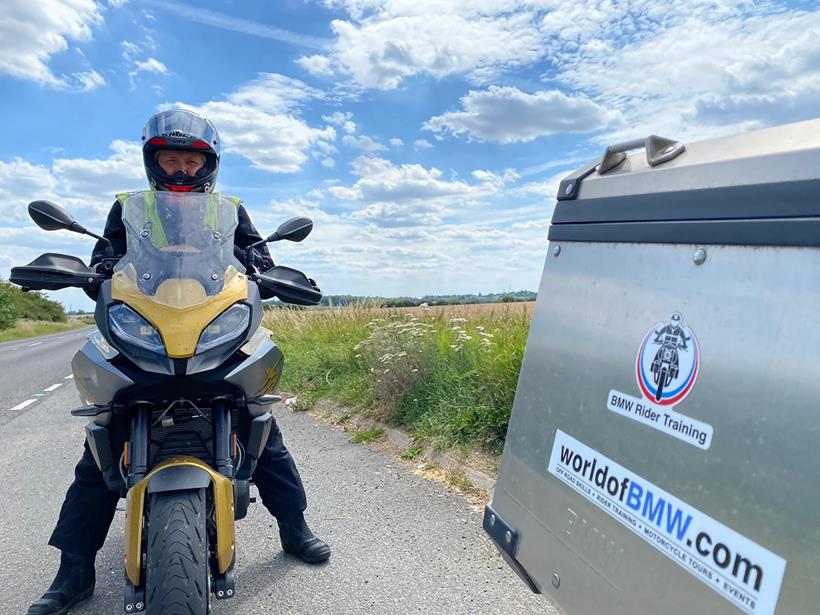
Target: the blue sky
pixel 425 139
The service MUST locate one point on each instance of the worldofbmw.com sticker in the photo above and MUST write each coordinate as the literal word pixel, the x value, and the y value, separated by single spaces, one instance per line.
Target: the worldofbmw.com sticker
pixel 743 572
pixel 667 368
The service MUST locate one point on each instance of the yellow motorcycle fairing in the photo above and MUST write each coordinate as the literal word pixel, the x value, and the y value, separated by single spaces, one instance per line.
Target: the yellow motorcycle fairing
pixel 180 310
pixel 223 516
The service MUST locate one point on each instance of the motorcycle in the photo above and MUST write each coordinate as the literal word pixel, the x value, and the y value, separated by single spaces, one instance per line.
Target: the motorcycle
pixel 665 365
pixel 176 381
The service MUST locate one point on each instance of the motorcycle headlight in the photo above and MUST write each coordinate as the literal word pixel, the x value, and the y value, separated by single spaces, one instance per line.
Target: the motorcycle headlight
pixel 228 326
pixel 132 328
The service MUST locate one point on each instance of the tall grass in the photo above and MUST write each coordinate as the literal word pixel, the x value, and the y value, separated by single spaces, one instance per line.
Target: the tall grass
pixel 32 328
pixel 448 373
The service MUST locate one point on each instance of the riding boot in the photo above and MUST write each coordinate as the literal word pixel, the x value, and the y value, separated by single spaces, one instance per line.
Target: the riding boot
pixel 298 540
pixel 74 583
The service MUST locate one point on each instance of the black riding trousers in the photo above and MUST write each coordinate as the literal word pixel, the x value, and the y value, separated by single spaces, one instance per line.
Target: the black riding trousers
pixel 89 505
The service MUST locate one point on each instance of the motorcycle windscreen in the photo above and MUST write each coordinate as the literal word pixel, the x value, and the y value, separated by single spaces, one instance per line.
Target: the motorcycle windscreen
pixel 179 271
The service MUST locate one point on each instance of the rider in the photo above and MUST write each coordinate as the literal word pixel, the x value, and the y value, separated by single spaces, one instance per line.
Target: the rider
pixel 181 154
pixel 672 334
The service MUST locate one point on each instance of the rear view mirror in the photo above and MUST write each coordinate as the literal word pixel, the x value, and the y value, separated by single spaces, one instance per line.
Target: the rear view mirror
pixel 51 217
pixel 295 229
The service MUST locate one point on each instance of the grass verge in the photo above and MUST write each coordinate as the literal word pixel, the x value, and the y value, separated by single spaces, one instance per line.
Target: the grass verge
pixel 446 373
pixel 34 328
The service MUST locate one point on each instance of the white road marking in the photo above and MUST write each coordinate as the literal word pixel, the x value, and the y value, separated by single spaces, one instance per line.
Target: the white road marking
pixel 69 377
pixel 25 404
pixel 53 387
pixel 34 344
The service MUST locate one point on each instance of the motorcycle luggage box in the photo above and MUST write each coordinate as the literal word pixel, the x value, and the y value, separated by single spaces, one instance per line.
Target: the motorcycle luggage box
pixel 661 455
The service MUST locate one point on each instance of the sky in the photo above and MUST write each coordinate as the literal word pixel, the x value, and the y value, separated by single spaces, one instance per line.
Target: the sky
pixel 426 140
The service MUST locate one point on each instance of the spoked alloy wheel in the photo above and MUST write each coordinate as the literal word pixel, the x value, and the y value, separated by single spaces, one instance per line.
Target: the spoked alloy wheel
pixel 177 575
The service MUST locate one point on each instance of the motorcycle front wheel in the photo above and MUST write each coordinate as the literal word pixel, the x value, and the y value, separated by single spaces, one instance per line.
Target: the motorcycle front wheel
pixel 176 581
pixel 661 384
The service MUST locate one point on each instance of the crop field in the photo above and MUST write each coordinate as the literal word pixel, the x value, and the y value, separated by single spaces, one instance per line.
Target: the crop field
pixel 448 373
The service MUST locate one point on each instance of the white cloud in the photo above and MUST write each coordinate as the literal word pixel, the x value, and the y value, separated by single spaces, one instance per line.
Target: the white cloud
pixel 364 143
pixel 99 180
pixel 342 119
pixel 20 183
pixel 407 194
pixel 385 43
pixel 275 93
pixel 129 49
pixel 692 69
pixel 32 32
pixel 86 187
pixel 258 122
pixel 495 179
pixel 224 21
pixel 420 144
pixel 273 142
pixel 90 80
pixel 321 66
pixel 396 142
pixel 731 71
pixel 506 115
pixel 151 65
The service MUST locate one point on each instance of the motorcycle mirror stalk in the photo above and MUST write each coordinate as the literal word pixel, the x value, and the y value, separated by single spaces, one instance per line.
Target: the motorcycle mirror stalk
pixel 295 229
pixel 51 217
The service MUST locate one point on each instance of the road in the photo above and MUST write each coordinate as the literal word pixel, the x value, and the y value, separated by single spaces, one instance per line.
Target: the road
pixel 401 544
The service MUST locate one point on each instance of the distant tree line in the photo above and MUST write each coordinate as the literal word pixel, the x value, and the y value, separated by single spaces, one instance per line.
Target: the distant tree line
pixel 33 305
pixel 508 297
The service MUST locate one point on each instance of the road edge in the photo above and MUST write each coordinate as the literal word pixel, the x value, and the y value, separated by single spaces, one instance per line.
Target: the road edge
pixel 398 441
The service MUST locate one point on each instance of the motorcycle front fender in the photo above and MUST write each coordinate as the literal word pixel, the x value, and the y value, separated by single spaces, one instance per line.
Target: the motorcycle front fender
pixel 179 473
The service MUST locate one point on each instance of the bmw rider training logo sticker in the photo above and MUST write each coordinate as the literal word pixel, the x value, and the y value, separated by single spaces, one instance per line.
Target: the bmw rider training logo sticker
pixel 667 369
pixel 668 362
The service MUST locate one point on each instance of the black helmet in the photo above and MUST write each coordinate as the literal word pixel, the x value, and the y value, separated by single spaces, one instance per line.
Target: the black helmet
pixel 180 130
pixel 675 319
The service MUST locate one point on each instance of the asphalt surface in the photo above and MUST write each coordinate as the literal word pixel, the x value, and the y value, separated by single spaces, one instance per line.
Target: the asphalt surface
pixel 401 544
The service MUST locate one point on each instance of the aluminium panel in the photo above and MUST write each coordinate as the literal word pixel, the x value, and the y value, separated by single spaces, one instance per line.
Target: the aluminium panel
pixel 753 312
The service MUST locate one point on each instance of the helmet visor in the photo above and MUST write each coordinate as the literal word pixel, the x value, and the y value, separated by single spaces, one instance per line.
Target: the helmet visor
pixel 180 129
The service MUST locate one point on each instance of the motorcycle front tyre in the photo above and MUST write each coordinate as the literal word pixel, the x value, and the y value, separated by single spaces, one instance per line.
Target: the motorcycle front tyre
pixel 661 384
pixel 176 580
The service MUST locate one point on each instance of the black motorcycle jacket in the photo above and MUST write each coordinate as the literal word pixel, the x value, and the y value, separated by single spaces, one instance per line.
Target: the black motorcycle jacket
pixel 245 235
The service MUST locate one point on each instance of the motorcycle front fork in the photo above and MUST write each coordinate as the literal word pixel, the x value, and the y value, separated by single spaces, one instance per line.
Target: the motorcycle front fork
pixel 223 584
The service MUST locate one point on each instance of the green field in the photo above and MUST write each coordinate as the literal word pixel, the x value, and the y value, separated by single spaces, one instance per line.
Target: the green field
pixel 446 373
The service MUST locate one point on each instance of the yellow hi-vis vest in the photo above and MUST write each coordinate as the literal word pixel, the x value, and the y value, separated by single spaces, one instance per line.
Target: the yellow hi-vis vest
pixel 151 215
